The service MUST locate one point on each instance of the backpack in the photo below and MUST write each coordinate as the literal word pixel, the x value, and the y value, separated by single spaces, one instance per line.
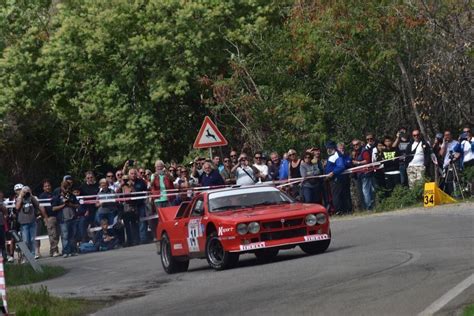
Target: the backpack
pixel 361 155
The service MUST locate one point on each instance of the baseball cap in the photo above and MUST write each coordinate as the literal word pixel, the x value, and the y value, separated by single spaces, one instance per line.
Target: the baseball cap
pixel 67 177
pixel 18 186
pixel 331 145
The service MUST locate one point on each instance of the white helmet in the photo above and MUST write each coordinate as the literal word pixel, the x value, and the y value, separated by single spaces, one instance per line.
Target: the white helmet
pixel 18 186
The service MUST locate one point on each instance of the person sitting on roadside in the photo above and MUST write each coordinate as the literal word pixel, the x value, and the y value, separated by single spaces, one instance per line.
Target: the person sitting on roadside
pixel 105 238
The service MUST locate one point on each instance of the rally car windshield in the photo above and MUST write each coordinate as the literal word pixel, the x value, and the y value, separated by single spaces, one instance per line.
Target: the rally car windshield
pixel 246 199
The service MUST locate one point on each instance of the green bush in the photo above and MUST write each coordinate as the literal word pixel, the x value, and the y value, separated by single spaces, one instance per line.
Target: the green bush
pixel 401 197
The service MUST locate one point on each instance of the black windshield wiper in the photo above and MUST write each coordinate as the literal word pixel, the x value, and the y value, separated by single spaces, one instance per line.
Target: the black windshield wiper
pixel 271 203
pixel 229 207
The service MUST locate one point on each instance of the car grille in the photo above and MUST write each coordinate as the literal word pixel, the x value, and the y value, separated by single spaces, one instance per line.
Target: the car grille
pixel 286 224
pixel 283 234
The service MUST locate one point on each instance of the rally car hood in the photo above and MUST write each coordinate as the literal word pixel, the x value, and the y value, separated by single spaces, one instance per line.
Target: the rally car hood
pixel 268 212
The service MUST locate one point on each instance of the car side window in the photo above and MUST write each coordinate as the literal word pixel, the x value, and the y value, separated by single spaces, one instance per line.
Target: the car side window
pixel 198 208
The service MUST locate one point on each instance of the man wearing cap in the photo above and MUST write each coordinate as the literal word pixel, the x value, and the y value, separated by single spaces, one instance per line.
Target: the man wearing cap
pixel 335 166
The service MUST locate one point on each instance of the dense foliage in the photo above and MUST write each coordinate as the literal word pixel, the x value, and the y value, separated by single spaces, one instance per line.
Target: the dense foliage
pixel 88 84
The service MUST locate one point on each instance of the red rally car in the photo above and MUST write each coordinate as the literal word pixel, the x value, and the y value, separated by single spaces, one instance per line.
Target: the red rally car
pixel 220 225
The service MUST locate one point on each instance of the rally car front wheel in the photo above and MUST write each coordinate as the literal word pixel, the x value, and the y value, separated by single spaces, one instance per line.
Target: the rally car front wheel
pixel 171 264
pixel 216 256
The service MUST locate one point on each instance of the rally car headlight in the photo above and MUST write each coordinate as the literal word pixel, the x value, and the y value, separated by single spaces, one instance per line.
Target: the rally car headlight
pixel 311 220
pixel 254 227
pixel 242 229
pixel 322 218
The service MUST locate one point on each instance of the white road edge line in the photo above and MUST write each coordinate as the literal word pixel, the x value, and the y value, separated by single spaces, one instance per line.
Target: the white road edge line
pixel 446 298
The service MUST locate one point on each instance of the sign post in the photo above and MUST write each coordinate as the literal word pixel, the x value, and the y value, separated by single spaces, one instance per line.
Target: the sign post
pixel 209 136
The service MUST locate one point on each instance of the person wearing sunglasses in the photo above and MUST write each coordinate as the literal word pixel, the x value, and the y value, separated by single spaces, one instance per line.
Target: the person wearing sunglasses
pixel 418 158
pixel 261 166
pixel 312 188
pixel 367 179
pixel 226 173
pixel 245 174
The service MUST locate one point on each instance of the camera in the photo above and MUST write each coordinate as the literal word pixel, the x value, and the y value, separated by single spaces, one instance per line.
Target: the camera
pixel 402 133
pixel 451 155
pixel 27 195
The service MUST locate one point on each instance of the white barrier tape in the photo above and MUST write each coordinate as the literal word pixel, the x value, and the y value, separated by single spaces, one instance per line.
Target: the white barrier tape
pixel 123 197
pixel 44 237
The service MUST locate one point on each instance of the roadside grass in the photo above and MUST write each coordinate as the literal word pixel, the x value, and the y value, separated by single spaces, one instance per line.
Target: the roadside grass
pixel 469 310
pixel 39 302
pixel 20 274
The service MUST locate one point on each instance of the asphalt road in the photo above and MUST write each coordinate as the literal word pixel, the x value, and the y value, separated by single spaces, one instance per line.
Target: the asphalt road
pixel 396 263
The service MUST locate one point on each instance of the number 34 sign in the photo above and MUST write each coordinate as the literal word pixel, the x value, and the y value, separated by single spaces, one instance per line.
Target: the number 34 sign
pixel 434 196
pixel 429 198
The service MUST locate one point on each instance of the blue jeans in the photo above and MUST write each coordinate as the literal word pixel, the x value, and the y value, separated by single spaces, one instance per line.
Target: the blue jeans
pixel 143 225
pixel 368 191
pixel 81 233
pixel 68 236
pixel 28 233
pixel 309 194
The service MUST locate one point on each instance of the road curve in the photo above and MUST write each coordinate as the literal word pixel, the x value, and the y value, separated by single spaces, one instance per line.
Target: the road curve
pixel 395 263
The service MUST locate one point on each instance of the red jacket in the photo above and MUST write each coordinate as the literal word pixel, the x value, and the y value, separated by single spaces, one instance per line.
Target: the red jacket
pixel 155 187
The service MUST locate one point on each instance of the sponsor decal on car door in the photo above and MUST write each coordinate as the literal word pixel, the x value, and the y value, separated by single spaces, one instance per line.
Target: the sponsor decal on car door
pixel 194 232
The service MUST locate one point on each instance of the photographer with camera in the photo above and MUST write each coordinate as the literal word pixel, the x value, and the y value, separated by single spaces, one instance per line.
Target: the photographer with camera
pixel 401 143
pixel 66 204
pixel 446 145
pixel 244 173
pixel 27 208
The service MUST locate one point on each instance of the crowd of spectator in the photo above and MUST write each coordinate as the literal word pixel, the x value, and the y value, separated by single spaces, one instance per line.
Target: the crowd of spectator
pixel 407 159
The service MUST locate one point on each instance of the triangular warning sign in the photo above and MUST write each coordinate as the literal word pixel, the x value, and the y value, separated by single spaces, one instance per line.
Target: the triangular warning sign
pixel 209 135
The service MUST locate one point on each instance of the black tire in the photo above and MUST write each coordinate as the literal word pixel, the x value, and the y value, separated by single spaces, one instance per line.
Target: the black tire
pixel 313 248
pixel 266 255
pixel 171 264
pixel 217 258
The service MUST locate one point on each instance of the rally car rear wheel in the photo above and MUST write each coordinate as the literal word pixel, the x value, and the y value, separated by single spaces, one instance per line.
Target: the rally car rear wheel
pixel 171 264
pixel 315 247
pixel 266 255
pixel 216 256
